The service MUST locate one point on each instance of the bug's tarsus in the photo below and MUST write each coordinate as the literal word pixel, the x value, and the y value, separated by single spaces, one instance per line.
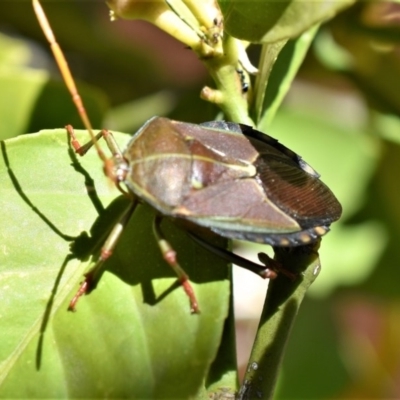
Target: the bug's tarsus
pixel 275 266
pixel 269 273
pixel 187 287
pixel 169 255
pixel 83 289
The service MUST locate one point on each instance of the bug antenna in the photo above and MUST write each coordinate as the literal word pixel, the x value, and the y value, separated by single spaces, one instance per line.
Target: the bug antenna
pixel 66 73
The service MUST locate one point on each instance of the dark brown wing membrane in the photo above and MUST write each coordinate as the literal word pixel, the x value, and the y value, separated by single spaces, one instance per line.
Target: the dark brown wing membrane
pixel 299 194
pixel 288 181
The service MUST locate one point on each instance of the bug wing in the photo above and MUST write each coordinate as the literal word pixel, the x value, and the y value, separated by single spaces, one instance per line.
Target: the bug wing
pixel 241 210
pixel 299 194
pixel 284 204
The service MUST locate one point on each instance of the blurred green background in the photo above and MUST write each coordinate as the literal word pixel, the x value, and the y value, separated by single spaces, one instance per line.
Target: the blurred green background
pixel 341 115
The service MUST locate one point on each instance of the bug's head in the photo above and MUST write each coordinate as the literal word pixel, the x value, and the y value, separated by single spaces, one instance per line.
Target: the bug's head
pixel 116 169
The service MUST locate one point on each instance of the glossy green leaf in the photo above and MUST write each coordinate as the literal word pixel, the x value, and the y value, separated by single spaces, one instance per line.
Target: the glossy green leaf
pixel 267 21
pixel 268 57
pixel 133 336
pixel 283 71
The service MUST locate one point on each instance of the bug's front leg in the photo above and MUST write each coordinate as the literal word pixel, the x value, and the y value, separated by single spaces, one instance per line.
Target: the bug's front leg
pixel 116 175
pixel 169 255
pixel 83 149
pixel 93 276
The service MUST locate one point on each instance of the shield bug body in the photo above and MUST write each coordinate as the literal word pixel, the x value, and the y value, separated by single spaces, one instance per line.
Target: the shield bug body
pixel 216 178
pixel 224 178
pixel 229 178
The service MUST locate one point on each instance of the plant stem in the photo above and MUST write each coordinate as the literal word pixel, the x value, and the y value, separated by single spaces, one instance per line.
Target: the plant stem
pixel 228 95
pixel 280 309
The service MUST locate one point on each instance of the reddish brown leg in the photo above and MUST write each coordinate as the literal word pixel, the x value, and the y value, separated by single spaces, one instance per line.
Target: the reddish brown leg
pixel 275 266
pixel 169 255
pixel 83 149
pixel 93 276
pixel 109 163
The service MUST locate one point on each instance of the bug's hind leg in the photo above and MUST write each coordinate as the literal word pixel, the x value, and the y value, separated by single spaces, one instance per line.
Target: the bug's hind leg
pixel 275 266
pixel 269 270
pixel 265 271
pixel 169 255
pixel 94 274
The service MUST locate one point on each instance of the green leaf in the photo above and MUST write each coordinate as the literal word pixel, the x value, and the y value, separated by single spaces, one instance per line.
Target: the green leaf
pixel 281 76
pixel 20 87
pixel 268 57
pixel 13 52
pixel 30 99
pixel 42 102
pixel 133 336
pixel 268 21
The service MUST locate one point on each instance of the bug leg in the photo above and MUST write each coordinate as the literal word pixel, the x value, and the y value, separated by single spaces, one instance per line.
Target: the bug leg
pixel 83 149
pixel 169 256
pixel 109 164
pixel 80 149
pixel 275 266
pixel 94 275
pixel 265 271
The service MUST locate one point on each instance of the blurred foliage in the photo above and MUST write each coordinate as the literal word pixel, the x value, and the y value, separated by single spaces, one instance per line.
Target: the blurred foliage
pixel 349 321
pixel 341 115
pixel 269 22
